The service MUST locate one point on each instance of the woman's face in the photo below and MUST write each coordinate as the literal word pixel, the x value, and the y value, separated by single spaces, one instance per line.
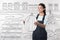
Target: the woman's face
pixel 40 8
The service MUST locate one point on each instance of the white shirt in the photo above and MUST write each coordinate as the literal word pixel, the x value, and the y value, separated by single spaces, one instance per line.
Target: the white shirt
pixel 41 17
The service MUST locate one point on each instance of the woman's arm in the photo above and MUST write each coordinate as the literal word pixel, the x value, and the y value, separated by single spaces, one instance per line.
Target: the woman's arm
pixel 40 24
pixel 44 24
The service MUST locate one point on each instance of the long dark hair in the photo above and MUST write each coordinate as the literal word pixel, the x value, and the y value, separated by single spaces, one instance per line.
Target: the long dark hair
pixel 43 5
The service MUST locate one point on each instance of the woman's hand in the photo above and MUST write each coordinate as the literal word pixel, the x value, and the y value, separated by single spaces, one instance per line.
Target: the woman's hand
pixel 36 23
pixel 40 24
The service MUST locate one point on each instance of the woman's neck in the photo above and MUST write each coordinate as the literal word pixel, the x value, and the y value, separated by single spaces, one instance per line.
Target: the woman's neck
pixel 41 13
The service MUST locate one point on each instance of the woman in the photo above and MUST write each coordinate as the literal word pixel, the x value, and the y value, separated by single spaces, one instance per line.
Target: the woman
pixel 40 33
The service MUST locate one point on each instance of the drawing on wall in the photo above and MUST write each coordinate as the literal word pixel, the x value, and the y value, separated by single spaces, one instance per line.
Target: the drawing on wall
pixel 4 6
pixel 10 6
pixel 25 6
pixel 16 6
pixel 29 22
pixel 56 7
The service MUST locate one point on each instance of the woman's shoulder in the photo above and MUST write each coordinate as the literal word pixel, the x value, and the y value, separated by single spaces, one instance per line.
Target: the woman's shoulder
pixel 46 16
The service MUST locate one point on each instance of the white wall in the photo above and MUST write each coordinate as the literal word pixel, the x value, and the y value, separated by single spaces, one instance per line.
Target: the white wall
pixel 14 19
